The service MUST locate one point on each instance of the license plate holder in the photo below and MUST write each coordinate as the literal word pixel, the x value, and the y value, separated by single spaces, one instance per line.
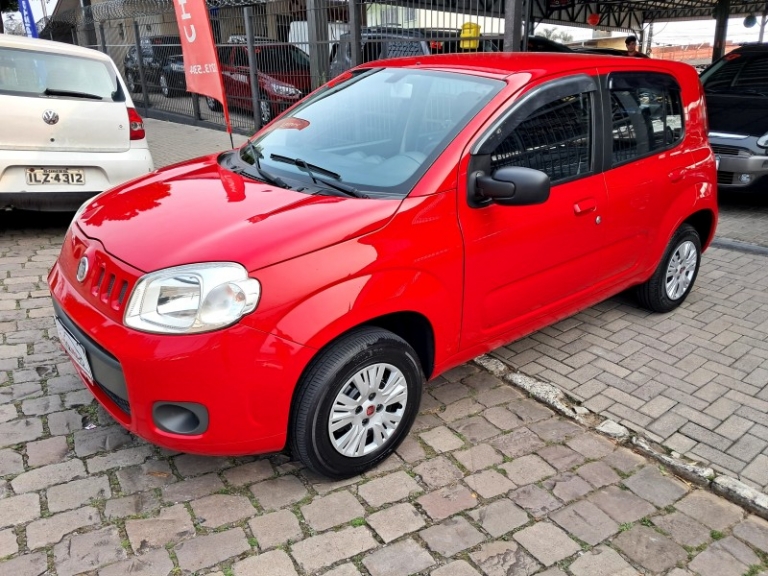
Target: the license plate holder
pixel 55 176
pixel 75 350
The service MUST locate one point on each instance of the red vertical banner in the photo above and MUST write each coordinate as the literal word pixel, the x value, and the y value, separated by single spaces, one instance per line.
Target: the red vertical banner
pixel 201 61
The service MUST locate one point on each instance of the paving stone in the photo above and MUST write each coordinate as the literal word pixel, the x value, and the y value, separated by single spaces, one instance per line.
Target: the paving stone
pixel 274 563
pixel 192 489
pixel 8 543
pixel 438 472
pixel 499 395
pixel 390 488
pixel 737 549
pixel 389 464
pixel 451 536
pixel 567 486
pixel 754 531
pixel 50 530
pixel 502 418
pixel 586 521
pixel 489 483
pixel 537 502
pixel 528 469
pixel 400 559
pixel 153 563
pixel 84 552
pixel 449 393
pixel 26 565
pixel 19 431
pixel 714 512
pixel 279 492
pixel 11 462
pixel 456 568
pixel 518 443
pixel 249 473
pixel 395 521
pixel 441 439
pixel 343 570
pixel 499 517
pixel 46 476
pixel 601 561
pixel 621 505
pixel 556 429
pixel 561 457
pixel 78 398
pixel 683 529
pixel 327 549
pixel 502 558
pixel 529 411
pixel 7 412
pixel 650 549
pixel 89 442
pixel 546 542
pixel 757 470
pixel 219 509
pixel 591 445
pixel 194 464
pixel 554 571
pixel 204 551
pixel 78 492
pixel 19 509
pixel 151 474
pixel 133 505
pixel 459 410
pixel 119 459
pixel 658 489
pixel 66 422
pixel 475 429
pixel 624 460
pixel 478 457
pixel 40 406
pixel 328 511
pixel 411 450
pixel 47 451
pixel 172 525
pixel 447 502
pixel 17 392
pixel 598 474
pixel 717 562
pixel 323 485
pixel 276 528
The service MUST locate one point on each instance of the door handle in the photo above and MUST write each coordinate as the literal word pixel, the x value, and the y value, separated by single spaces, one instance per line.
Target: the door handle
pixel 677 174
pixel 584 206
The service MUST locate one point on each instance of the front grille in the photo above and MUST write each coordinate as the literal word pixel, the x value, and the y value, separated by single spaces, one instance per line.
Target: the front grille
pixel 724 177
pixel 725 150
pixel 119 402
pixel 109 286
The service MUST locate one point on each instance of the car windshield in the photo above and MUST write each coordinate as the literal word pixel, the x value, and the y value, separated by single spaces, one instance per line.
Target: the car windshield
pixel 280 58
pixel 378 131
pixel 741 73
pixel 31 72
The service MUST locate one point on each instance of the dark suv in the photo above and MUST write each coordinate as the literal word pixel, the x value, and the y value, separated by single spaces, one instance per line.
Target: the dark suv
pixel 156 52
pixel 736 89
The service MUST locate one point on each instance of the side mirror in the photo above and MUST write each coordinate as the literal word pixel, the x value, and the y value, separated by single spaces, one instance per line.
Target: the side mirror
pixel 512 186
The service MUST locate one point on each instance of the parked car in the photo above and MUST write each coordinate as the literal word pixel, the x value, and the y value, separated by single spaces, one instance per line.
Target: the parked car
pixel 156 52
pixel 599 50
pixel 378 43
pixel 283 77
pixel 69 127
pixel 401 220
pixel 172 80
pixel 736 88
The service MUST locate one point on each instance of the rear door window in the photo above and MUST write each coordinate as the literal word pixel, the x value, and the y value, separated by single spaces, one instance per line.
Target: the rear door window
pixel 737 72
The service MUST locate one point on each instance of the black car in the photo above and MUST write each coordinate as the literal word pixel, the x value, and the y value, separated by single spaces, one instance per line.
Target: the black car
pixel 172 79
pixel 736 89
pixel 155 52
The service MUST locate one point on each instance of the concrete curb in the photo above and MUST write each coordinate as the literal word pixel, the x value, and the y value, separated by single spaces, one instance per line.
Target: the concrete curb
pixel 729 488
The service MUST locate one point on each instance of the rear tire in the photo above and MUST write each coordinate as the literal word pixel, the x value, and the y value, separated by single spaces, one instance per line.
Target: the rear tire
pixel 355 403
pixel 674 277
pixel 130 81
pixel 165 88
pixel 213 104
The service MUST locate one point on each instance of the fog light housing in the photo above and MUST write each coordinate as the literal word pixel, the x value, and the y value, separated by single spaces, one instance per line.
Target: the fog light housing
pixel 745 178
pixel 185 418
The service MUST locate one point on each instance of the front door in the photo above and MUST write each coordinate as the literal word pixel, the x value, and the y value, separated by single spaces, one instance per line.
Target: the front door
pixel 525 264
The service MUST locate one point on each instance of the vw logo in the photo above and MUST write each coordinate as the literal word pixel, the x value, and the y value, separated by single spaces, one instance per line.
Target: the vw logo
pixel 50 117
pixel 82 269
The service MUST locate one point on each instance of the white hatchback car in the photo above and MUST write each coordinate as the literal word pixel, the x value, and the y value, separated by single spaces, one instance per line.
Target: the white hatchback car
pixel 69 127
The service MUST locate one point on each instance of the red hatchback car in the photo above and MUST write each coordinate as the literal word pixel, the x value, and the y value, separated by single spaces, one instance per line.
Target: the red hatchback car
pixel 401 220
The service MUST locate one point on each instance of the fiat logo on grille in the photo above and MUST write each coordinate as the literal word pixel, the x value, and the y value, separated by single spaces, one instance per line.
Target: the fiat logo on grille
pixel 82 269
pixel 50 117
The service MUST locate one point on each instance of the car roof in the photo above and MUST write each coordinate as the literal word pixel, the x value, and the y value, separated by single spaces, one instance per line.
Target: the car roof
pixel 37 44
pixel 752 47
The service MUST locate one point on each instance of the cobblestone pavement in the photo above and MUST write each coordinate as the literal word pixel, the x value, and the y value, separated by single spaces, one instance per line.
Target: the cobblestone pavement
pixel 489 481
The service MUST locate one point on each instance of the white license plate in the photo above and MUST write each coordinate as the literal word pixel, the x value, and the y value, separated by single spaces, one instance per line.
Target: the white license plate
pixel 75 350
pixel 38 176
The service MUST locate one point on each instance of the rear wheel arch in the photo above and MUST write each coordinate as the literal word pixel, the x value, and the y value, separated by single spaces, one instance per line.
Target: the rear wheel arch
pixel 703 222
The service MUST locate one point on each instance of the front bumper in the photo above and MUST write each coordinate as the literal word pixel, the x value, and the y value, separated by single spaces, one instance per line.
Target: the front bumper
pixel 741 169
pixel 244 378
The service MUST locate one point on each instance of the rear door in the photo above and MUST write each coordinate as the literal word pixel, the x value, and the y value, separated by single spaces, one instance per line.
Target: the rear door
pixel 61 103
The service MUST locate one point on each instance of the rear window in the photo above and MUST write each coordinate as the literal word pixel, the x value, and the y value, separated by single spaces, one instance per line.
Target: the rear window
pixel 737 72
pixel 25 72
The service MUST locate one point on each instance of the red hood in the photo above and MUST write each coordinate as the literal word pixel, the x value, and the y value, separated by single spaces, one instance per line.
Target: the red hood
pixel 199 212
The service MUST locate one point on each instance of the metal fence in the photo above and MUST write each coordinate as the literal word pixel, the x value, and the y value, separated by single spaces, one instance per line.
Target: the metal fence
pixel 296 46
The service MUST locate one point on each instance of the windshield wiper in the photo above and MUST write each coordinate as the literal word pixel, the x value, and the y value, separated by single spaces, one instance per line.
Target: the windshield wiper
pixel 54 92
pixel 260 173
pixel 311 169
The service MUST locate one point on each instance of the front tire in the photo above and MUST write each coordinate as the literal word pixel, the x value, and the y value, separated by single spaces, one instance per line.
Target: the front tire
pixel 355 403
pixel 213 104
pixel 165 88
pixel 674 277
pixel 130 81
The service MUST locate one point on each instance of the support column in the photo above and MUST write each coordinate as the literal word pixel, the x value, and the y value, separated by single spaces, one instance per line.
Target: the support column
pixel 722 10
pixel 317 32
pixel 513 22
pixel 355 25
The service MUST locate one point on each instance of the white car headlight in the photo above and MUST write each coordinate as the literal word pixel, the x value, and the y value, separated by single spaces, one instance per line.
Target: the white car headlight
pixel 284 89
pixel 763 141
pixel 192 298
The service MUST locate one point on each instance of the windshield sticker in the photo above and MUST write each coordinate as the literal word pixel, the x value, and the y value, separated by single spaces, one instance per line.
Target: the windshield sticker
pixel 292 124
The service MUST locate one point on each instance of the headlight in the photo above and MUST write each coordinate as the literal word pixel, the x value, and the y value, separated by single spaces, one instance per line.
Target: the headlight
pixel 763 141
pixel 284 89
pixel 176 67
pixel 192 298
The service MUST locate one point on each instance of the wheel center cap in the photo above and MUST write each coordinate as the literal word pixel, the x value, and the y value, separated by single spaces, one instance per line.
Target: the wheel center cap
pixel 370 410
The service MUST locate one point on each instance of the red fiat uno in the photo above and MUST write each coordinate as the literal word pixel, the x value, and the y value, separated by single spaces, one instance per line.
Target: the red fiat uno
pixel 401 220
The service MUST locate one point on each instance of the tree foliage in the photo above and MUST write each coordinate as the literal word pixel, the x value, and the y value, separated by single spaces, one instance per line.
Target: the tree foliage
pixel 556 35
pixel 9 5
